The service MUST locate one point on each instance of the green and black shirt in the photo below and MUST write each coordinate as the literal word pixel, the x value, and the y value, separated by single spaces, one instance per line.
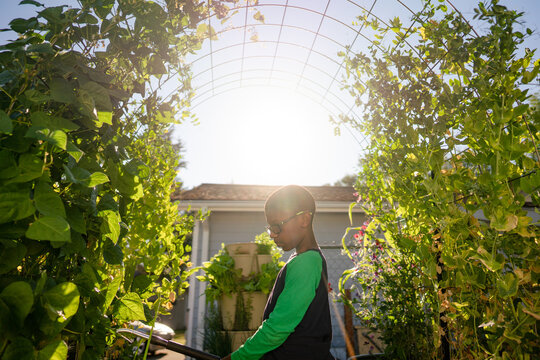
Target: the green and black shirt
pixel 296 323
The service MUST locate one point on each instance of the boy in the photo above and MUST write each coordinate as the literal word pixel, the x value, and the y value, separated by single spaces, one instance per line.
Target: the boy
pixel 296 322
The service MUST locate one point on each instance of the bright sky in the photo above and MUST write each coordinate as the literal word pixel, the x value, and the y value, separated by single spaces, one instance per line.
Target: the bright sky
pixel 275 132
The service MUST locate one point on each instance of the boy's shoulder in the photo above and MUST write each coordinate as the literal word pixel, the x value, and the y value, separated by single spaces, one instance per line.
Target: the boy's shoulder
pixel 307 258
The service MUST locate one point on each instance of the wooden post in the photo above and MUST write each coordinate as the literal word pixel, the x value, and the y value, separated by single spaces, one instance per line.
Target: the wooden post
pixel 352 346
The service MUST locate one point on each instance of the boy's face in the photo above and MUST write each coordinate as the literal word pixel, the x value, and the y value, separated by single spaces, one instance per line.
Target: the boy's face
pixel 291 232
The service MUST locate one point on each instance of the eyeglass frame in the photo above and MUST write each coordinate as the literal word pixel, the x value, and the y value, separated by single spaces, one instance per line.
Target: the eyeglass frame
pixel 281 223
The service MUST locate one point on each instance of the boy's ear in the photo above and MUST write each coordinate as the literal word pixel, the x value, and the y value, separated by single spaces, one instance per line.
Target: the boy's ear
pixel 305 219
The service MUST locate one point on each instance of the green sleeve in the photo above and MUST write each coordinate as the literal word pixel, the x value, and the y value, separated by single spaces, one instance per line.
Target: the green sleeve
pixel 301 281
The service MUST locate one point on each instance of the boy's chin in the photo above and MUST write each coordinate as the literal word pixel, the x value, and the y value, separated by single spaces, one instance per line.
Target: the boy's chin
pixel 285 248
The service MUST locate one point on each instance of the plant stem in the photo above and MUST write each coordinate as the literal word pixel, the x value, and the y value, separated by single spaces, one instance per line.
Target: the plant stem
pixel 158 302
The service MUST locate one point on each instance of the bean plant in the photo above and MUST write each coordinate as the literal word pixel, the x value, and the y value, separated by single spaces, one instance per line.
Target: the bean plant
pixel 87 170
pixel 450 181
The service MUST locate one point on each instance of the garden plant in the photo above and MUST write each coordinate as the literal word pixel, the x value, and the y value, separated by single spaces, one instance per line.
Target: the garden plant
pixel 230 295
pixel 87 169
pixel 222 278
pixel 447 267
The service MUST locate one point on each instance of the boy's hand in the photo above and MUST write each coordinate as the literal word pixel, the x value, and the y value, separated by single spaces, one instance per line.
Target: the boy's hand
pixel 228 357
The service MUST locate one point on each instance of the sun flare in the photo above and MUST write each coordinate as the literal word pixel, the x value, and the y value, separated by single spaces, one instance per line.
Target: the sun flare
pixel 267 136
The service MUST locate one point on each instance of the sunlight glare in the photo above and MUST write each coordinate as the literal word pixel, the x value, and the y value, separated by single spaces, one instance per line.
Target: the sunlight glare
pixel 269 136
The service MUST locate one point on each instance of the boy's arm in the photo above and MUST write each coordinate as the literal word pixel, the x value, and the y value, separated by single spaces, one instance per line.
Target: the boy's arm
pixel 301 281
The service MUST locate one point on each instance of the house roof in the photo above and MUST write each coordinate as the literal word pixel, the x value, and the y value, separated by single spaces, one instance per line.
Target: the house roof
pixel 236 192
pixel 252 197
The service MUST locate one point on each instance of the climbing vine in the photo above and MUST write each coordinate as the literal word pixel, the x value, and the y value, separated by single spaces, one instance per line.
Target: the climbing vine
pixel 87 169
pixel 451 183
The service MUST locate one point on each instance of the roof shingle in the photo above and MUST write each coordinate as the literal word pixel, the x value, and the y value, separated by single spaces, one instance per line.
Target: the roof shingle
pixel 235 192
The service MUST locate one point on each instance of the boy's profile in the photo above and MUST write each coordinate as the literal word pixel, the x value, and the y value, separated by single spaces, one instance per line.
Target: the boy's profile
pixel 296 322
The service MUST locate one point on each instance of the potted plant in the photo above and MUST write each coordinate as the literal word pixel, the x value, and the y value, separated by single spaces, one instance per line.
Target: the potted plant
pixel 266 248
pixel 240 277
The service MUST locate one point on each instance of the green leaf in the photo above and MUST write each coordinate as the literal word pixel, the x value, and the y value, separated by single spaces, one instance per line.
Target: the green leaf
pixel 62 91
pixel 105 117
pixel 130 307
pixel 493 263
pixel 22 25
pixel 61 302
pixel 56 350
pixel 125 182
pixel 30 2
pixel 17 142
pixel 74 151
pixel 42 119
pixel 528 76
pixel 75 218
pixel 504 223
pixel 6 125
pixel 202 29
pixel 36 96
pixel 19 349
pixel 40 284
pixel 95 179
pixel 18 296
pixel 44 48
pixel 6 76
pixel 87 106
pixel 11 256
pixel 530 183
pixel 53 137
pixel 138 168
pixel 100 95
pixel 87 280
pixel 53 14
pixel 155 65
pixel 104 8
pixel 82 176
pixel 112 253
pixel 165 117
pixel 112 289
pixel 51 228
pixel 48 202
pixel 15 203
pixel 30 167
pixel 507 285
pixel 8 165
pixel 110 224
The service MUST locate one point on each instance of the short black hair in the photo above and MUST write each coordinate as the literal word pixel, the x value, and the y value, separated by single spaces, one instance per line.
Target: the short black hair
pixel 293 198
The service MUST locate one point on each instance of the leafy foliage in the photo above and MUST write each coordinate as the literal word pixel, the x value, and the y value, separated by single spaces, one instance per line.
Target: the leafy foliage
pixel 223 279
pixel 452 167
pixel 87 169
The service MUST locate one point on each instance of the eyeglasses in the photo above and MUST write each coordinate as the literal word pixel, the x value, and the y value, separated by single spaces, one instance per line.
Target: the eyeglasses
pixel 276 228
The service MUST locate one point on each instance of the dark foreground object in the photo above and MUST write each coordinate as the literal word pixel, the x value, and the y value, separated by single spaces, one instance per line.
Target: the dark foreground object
pixel 172 345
